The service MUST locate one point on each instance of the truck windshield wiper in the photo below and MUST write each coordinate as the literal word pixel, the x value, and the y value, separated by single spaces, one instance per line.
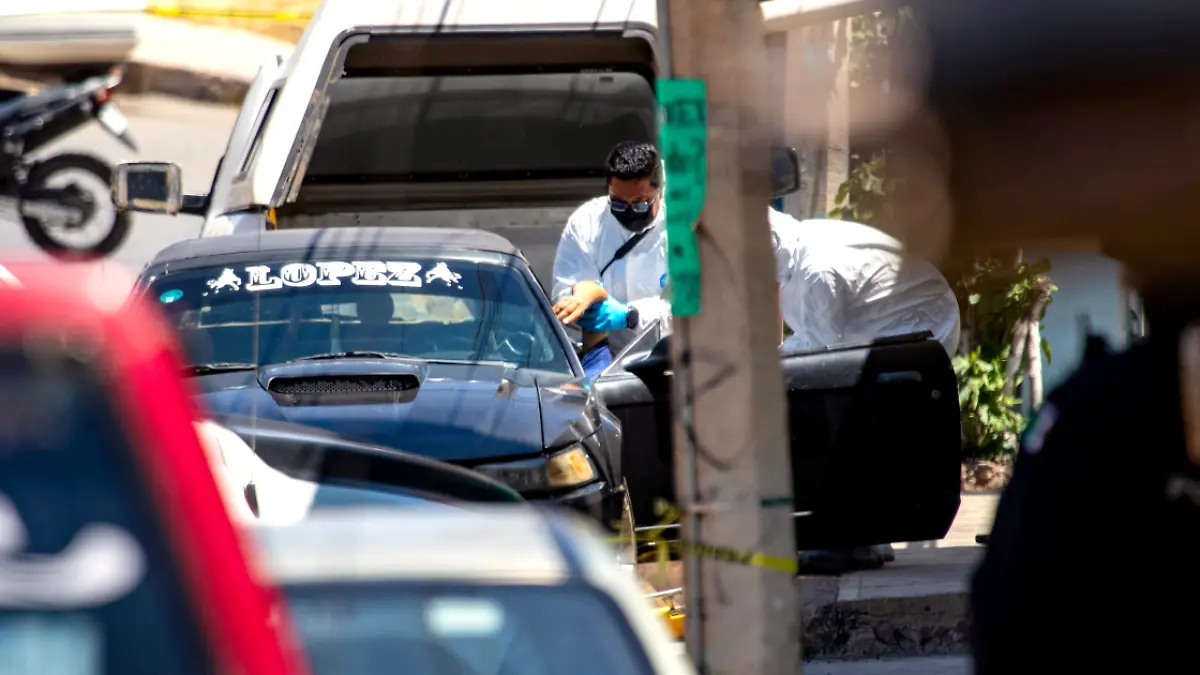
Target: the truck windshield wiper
pixel 467 362
pixel 351 355
pixel 210 368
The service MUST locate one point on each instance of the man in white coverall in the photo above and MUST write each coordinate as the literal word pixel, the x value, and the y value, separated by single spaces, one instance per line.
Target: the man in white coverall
pixel 842 283
pixel 611 267
pixel 839 282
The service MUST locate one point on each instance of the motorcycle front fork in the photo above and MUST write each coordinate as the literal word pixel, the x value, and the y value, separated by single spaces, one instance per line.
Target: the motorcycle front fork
pixel 67 206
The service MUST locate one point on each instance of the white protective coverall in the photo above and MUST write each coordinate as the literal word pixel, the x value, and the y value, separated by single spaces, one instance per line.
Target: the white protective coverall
pixel 842 282
pixel 589 241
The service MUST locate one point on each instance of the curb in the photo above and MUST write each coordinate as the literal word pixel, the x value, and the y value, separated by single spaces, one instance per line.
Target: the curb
pixel 886 627
pixel 917 606
pixel 145 78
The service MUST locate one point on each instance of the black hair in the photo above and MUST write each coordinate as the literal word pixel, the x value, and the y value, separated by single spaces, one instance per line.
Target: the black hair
pixel 634 160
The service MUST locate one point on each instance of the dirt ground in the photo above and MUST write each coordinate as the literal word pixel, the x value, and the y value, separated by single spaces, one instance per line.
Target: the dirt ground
pixel 984 475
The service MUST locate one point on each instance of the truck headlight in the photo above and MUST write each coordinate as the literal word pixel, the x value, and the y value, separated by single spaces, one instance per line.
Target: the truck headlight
pixel 569 467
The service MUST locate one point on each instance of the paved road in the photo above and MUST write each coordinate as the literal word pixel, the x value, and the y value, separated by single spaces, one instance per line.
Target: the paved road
pixel 190 134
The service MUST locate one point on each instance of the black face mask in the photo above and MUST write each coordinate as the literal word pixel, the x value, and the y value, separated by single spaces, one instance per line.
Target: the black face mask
pixel 631 221
pixel 629 218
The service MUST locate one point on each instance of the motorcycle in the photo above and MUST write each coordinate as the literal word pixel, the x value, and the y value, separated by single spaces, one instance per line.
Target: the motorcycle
pixel 48 200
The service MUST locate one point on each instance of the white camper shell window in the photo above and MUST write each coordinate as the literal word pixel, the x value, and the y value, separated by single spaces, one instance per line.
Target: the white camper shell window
pixel 419 123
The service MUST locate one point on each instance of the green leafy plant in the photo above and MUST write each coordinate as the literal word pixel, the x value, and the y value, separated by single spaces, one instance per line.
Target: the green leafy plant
pixel 990 418
pixel 860 198
pixel 995 295
pixel 873 37
pixel 998 301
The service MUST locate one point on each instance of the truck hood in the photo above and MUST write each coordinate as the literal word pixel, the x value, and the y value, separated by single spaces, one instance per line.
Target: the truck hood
pixel 462 413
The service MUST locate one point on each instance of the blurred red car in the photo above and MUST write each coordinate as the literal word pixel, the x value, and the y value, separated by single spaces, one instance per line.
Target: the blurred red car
pixel 116 551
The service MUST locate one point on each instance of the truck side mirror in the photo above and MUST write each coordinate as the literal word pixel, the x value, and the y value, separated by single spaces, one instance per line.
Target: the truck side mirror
pixel 654 364
pixel 148 187
pixel 785 172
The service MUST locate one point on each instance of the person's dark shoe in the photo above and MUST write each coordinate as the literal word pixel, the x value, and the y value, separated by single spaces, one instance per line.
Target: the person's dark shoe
pixel 834 563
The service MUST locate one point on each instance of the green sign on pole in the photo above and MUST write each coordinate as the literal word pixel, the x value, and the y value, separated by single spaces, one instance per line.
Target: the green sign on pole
pixel 683 134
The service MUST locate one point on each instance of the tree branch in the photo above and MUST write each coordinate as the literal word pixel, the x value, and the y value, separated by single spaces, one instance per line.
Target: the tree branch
pixel 1041 290
pixel 1016 356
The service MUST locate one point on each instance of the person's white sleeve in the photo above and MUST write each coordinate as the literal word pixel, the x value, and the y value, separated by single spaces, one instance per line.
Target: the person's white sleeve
pixel 575 260
pixel 949 328
pixel 823 308
pixel 783 245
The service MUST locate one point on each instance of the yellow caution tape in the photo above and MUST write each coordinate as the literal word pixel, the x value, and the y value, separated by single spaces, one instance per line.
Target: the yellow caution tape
pixel 731 555
pixel 663 547
pixel 737 557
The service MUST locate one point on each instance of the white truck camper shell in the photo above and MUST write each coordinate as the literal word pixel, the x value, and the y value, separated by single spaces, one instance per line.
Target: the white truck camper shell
pixel 458 113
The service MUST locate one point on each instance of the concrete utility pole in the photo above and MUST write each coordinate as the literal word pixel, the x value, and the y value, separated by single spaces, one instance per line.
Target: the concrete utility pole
pixel 731 441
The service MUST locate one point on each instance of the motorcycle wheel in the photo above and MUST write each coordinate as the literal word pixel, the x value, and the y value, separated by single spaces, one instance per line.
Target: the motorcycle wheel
pixel 39 176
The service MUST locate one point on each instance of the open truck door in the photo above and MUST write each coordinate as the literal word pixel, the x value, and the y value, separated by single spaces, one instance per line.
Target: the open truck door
pixel 875 437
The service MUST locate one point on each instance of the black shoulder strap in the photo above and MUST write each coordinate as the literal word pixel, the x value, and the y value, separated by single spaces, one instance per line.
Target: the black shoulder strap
pixel 625 249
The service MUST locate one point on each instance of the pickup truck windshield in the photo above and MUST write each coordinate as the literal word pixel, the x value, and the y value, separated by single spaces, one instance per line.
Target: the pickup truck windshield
pixel 279 310
pixel 352 628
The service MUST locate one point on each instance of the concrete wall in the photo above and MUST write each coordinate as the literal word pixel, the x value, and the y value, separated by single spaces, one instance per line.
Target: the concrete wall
pixel 1089 285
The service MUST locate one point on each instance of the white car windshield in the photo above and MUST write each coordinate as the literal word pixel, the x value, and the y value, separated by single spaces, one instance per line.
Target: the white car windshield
pixel 464 629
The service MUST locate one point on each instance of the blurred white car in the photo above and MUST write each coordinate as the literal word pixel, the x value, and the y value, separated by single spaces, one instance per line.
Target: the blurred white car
pixel 256 492
pixel 497 591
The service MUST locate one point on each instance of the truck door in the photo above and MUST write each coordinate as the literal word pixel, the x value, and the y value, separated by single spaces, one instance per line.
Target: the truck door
pixel 874 429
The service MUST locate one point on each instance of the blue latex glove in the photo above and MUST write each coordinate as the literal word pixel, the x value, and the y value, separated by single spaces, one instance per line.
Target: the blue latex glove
pixel 604 317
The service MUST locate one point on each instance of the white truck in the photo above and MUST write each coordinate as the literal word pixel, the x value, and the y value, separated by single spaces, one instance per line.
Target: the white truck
pixel 458 113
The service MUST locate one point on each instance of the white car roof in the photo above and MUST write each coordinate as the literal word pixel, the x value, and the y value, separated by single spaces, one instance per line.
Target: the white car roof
pixel 502 545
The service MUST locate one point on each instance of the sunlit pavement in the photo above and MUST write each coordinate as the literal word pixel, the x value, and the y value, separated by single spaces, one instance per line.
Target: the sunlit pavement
pixel 190 134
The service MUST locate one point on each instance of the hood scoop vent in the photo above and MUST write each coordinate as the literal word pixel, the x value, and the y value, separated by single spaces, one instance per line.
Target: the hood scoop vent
pixel 344 389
